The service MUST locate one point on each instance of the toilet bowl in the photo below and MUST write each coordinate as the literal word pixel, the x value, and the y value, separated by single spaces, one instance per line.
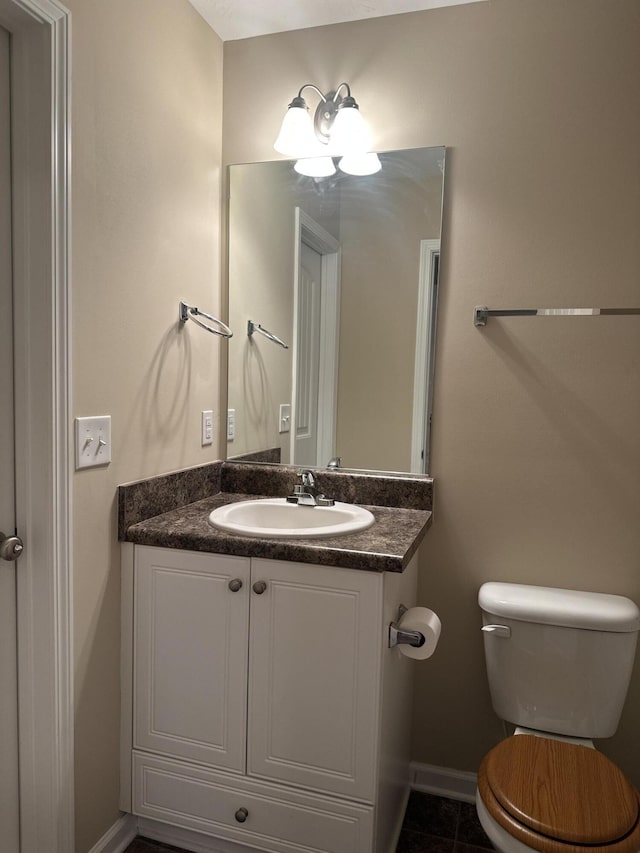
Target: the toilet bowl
pixel 564 658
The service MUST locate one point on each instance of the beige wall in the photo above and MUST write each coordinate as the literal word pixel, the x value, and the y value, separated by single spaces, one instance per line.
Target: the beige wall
pixel 146 161
pixel 535 438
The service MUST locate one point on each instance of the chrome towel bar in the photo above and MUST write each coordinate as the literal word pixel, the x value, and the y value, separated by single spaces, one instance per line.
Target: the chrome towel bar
pixel 256 327
pixel 187 312
pixel 481 312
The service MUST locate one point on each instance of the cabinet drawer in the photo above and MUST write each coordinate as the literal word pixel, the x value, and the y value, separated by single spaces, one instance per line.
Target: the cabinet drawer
pixel 279 819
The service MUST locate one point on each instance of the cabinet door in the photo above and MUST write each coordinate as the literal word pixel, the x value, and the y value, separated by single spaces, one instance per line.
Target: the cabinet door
pixel 191 633
pixel 314 664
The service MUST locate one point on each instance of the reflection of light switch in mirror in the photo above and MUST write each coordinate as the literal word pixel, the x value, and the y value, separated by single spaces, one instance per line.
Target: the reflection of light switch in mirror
pixel 231 424
pixel 285 417
pixel 93 441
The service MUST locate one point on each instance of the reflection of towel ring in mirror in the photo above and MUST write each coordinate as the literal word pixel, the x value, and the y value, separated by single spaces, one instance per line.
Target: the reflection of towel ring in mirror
pixel 189 312
pixel 256 327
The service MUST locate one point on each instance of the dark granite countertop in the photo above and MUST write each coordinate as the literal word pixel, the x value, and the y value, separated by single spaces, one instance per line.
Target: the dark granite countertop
pixel 387 546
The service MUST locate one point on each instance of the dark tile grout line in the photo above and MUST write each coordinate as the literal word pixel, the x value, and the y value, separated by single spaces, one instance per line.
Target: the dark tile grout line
pixel 457 832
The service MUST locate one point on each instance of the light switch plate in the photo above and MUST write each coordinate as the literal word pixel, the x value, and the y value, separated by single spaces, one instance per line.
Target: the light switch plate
pixel 231 424
pixel 207 428
pixel 284 421
pixel 93 441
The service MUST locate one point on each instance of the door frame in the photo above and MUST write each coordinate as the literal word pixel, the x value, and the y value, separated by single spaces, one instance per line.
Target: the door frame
pixel 40 46
pixel 424 357
pixel 310 232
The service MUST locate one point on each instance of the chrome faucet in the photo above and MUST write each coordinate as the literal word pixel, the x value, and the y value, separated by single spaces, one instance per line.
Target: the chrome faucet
pixel 335 462
pixel 305 493
pixel 308 481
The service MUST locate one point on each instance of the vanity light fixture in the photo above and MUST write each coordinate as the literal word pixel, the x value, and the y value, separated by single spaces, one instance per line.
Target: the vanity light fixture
pixel 360 164
pixel 315 167
pixel 336 130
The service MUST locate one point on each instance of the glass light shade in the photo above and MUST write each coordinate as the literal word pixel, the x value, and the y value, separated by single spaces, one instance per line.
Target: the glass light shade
pixel 297 137
pixel 315 167
pixel 349 133
pixel 360 164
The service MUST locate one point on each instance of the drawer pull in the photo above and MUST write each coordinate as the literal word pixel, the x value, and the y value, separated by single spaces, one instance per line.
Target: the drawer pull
pixel 235 585
pixel 259 587
pixel 242 815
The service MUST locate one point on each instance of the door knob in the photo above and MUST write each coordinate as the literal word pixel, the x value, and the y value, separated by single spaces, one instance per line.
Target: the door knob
pixel 259 587
pixel 235 585
pixel 11 547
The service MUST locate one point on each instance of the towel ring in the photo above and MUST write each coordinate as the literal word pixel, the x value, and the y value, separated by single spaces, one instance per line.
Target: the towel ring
pixel 191 312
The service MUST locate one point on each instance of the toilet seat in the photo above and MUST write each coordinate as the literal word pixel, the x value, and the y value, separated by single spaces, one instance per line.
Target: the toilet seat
pixel 557 797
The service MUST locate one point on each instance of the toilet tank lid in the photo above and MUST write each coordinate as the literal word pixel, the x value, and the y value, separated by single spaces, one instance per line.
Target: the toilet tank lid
pixel 569 608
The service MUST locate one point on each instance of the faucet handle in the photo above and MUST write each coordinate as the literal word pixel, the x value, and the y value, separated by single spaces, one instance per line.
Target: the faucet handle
pixel 323 500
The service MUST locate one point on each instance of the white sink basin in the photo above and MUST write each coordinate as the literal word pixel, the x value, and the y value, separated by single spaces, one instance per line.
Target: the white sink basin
pixel 275 517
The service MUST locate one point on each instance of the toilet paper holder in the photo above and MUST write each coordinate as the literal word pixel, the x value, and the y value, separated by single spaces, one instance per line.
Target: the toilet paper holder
pixel 398 636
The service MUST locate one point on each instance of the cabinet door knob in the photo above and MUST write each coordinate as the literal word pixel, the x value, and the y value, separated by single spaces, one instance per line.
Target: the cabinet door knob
pixel 242 815
pixel 235 585
pixel 259 587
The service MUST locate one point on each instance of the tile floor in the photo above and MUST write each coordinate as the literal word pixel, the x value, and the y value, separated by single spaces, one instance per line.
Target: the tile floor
pixel 438 825
pixel 431 825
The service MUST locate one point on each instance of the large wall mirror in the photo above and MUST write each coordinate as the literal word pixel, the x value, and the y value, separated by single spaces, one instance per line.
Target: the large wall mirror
pixel 333 289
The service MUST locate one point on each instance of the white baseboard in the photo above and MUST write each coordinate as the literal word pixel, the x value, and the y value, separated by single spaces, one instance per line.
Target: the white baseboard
pixel 443 781
pixel 119 837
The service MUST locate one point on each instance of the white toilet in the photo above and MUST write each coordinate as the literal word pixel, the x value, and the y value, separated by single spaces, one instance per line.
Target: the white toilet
pixel 559 663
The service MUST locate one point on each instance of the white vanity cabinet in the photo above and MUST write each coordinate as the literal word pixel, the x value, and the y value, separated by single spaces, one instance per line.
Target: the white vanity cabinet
pixel 261 702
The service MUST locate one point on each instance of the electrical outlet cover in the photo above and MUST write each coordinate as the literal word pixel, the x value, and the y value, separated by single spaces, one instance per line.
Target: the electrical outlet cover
pixel 207 427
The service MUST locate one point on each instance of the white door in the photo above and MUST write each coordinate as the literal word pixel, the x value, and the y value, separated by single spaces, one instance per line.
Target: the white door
pixel 9 826
pixel 308 357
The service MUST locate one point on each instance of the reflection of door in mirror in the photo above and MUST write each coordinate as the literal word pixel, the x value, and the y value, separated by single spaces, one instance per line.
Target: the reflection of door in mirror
pixel 428 280
pixel 307 358
pixel 316 295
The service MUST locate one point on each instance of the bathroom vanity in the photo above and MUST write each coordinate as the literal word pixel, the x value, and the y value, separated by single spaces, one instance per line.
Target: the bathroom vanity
pixel 261 702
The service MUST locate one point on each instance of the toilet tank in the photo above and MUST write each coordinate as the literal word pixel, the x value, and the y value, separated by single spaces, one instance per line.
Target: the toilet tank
pixel 558 660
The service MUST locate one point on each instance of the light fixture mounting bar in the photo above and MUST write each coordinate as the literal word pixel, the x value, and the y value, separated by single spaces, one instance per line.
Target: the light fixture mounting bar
pixel 327 109
pixel 315 89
